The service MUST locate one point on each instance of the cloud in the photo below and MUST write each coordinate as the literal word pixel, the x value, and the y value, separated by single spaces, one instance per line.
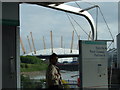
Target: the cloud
pixel 41 20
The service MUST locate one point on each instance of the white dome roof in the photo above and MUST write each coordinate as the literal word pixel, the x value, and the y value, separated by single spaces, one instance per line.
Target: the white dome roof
pixel 58 51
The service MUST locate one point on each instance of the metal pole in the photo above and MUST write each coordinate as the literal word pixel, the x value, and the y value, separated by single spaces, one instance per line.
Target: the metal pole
pixel 61 42
pixel 44 43
pixel 78 42
pixel 18 56
pixel 24 52
pixel 29 44
pixel 51 41
pixel 33 42
pixel 89 35
pixel 96 23
pixel 86 9
pixel 72 42
pixel 111 71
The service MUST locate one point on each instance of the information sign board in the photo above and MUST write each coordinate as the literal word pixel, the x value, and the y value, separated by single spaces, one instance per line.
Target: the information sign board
pixel 93 64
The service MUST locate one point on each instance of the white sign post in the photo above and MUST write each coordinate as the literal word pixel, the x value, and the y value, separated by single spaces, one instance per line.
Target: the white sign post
pixel 93 64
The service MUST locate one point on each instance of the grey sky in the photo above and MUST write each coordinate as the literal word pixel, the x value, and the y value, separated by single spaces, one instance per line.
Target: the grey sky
pixel 41 20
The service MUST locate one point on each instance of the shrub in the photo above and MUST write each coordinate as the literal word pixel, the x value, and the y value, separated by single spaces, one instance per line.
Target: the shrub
pixel 31 60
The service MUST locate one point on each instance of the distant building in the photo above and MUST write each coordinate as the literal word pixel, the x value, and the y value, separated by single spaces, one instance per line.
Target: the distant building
pixel 118 50
pixel 112 58
pixel 58 51
pixel 118 39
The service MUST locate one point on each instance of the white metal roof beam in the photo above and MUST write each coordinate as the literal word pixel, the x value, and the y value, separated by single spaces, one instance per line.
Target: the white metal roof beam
pixel 36 1
pixel 74 10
